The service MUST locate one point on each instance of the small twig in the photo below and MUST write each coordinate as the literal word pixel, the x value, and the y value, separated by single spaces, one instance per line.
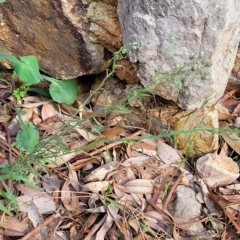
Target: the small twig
pixel 45 223
pixel 179 179
pixel 158 192
pixel 7 147
pixel 112 145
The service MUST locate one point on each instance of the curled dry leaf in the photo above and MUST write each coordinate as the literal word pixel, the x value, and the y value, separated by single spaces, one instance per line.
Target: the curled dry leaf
pixel 141 186
pixel 145 148
pixel 33 105
pixel 25 190
pixel 48 111
pixel 137 161
pixel 167 154
pixel 133 222
pixel 112 216
pixel 158 222
pixel 233 141
pixel 111 133
pixel 96 186
pixel 60 159
pixel 86 134
pixel 73 178
pixel 12 223
pixel 203 236
pixel 95 228
pixel 123 198
pixel 69 199
pixel 101 172
pixel 140 200
pixel 124 175
pixel 27 115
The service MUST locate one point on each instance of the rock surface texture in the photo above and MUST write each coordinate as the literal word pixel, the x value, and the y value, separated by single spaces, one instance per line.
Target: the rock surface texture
pixel 201 141
pixel 188 209
pixel 216 170
pixel 71 38
pixel 211 27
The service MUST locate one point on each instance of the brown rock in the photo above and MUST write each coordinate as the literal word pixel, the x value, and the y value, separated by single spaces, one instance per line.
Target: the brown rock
pixel 104 25
pixel 68 37
pixel 126 72
pixel 193 138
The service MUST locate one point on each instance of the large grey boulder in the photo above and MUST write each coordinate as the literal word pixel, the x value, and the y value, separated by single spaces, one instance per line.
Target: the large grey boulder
pixel 198 26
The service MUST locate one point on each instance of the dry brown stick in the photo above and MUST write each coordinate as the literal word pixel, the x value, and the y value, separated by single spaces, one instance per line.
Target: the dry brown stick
pixel 7 146
pixel 158 192
pixel 179 179
pixel 109 146
pixel 104 148
pixel 112 145
pixel 45 223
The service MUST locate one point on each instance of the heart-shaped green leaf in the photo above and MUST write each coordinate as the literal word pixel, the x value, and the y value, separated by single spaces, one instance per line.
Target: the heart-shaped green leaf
pixel 63 91
pixel 27 69
pixel 27 138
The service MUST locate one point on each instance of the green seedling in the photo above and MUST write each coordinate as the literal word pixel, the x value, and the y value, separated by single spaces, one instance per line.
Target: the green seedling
pixel 27 69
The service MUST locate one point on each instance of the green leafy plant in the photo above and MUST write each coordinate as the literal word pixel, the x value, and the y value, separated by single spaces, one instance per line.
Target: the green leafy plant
pixel 51 146
pixel 27 137
pixel 27 69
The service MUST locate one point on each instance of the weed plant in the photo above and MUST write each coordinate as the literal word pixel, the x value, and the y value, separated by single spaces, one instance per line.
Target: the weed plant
pixel 33 159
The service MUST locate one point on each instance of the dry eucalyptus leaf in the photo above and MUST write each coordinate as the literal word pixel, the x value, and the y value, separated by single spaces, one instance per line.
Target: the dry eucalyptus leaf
pixel 73 178
pixel 155 220
pixel 48 111
pixel 124 175
pixel 25 190
pixel 141 186
pixel 112 216
pixel 110 133
pixel 69 199
pixel 232 139
pixel 60 235
pixel 60 159
pixel 101 172
pixel 86 134
pixel 42 201
pixel 167 154
pixel 133 222
pixel 12 223
pixel 136 161
pixel 96 186
pixel 140 200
